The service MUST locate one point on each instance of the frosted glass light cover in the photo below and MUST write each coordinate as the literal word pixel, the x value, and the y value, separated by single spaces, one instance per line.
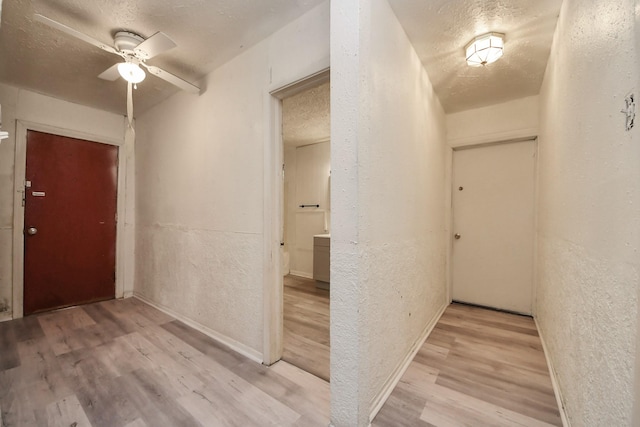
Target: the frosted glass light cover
pixel 485 49
pixel 131 72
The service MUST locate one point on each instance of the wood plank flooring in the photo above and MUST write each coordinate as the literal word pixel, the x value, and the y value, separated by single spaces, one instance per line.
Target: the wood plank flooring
pixel 477 368
pixel 306 326
pixel 124 363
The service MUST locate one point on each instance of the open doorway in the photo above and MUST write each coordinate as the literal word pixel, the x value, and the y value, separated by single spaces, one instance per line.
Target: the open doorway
pixel 306 226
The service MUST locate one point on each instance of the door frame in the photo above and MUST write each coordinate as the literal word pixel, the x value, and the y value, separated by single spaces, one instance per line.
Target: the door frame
pixel 273 214
pixel 479 142
pixel 22 128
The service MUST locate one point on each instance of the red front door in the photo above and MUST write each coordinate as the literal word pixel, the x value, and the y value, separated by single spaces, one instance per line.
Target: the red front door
pixel 70 222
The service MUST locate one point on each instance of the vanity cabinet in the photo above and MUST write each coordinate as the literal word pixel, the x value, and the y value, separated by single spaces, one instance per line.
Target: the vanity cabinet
pixel 321 256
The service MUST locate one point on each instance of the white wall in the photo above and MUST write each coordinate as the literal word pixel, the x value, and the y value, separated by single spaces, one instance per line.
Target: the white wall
pixel 200 186
pixel 499 122
pixel 308 183
pixel 9 101
pixel 388 190
pixel 289 194
pixel 31 107
pixel 589 222
pixel 636 417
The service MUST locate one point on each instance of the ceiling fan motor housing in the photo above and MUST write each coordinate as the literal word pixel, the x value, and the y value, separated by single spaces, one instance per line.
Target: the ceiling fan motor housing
pixel 126 42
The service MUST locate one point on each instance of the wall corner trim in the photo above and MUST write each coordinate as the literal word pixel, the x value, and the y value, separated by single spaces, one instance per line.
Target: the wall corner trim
pixel 393 380
pixel 554 379
pixel 234 345
pixel 529 133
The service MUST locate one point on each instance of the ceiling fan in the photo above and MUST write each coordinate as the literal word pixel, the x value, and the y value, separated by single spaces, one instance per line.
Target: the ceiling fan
pixel 134 51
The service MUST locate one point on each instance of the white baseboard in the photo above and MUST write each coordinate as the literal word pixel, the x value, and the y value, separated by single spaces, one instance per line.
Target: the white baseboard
pixel 554 379
pixel 301 274
pixel 222 339
pixel 397 373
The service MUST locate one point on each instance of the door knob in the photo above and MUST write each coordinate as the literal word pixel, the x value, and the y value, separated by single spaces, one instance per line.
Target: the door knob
pixel 31 231
pixel 457 236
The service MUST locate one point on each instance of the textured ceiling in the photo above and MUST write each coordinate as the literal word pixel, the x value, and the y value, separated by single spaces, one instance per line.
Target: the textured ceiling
pixel 306 117
pixel 208 33
pixel 440 29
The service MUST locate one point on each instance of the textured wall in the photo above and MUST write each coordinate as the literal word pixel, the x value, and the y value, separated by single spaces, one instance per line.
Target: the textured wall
pixel 348 400
pixel 636 418
pixel 8 100
pixel 589 217
pixel 200 185
pixel 388 245
pixel 19 104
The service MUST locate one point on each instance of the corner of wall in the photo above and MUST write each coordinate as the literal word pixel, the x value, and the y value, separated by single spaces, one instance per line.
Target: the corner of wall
pixel 395 377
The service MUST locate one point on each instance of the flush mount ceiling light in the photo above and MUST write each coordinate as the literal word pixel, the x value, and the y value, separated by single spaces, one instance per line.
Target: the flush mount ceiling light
pixel 131 72
pixel 484 49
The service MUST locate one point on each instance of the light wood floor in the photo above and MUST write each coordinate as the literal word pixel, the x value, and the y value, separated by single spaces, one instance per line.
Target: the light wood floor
pixel 123 363
pixel 477 368
pixel 306 326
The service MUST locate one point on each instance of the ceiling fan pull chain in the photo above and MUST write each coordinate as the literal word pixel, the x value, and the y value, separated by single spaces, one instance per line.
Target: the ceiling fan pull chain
pixel 130 105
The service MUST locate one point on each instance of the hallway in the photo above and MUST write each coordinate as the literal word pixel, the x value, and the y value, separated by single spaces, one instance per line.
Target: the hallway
pixel 478 367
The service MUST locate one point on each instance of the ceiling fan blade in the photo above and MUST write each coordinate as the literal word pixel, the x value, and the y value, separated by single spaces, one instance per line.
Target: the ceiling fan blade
pixel 77 34
pixel 110 73
pixel 154 45
pixel 175 80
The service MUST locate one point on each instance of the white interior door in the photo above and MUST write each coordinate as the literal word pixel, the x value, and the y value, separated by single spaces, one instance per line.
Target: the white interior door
pixel 493 222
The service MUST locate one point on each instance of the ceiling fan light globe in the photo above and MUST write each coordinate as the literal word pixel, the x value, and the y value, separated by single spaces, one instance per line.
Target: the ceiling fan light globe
pixel 131 72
